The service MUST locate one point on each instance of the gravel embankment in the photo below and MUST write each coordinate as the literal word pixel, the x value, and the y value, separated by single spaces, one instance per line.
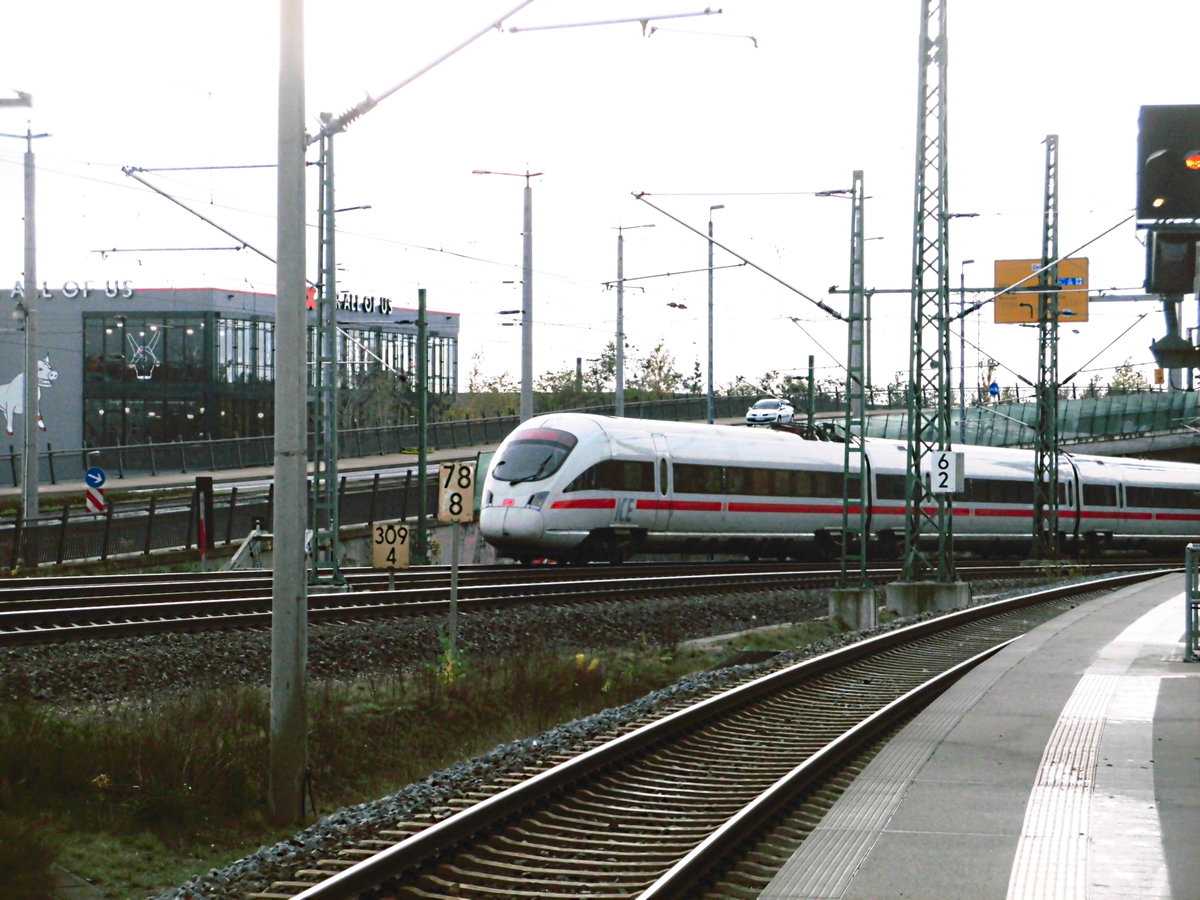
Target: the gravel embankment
pixel 94 671
pixel 89 671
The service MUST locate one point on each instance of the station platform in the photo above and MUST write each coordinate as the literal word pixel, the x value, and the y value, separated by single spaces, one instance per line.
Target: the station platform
pixel 1066 766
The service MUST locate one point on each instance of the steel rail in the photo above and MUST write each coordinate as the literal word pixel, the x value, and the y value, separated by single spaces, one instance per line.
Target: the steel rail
pixel 454 831
pixel 36 625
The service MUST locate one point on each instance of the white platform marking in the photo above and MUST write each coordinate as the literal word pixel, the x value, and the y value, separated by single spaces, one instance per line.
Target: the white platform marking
pixel 1097 778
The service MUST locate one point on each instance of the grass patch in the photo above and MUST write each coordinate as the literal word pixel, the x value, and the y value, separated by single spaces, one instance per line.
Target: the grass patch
pixel 797 635
pixel 140 795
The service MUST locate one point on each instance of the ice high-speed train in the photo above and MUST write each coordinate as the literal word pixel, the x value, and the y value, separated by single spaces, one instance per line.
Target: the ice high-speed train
pixel 572 487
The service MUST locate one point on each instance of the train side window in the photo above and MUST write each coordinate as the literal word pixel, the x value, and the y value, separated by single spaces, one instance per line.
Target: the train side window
pixel 1160 497
pixel 638 475
pixel 760 482
pixel 784 484
pixel 892 487
pixel 695 479
pixel 687 479
pixel 1099 494
pixel 852 489
pixel 615 475
pixel 1019 492
pixel 827 484
pixel 662 476
pixel 737 480
pixel 802 484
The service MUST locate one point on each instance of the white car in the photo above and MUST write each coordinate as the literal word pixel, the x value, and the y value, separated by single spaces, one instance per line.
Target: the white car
pixel 769 411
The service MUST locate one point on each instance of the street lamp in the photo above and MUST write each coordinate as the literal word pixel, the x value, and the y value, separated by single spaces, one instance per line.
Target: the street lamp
pixel 526 292
pixel 711 402
pixel 619 350
pixel 962 352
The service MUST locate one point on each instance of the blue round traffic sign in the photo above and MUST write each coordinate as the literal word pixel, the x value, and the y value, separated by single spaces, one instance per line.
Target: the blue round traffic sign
pixel 95 477
pixel 994 389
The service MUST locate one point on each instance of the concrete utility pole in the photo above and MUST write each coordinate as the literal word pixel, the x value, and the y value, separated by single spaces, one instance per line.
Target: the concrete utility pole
pixel 29 459
pixel 28 308
pixel 289 591
pixel 526 290
pixel 710 402
pixel 527 304
pixel 619 347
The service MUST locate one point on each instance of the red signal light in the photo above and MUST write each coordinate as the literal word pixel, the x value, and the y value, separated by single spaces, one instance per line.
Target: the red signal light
pixel 1192 160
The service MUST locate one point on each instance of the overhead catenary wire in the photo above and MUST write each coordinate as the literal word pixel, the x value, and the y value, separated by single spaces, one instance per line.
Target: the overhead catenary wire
pixel 822 306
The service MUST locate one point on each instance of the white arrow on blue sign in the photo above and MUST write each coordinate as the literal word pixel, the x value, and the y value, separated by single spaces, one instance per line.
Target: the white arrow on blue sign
pixel 95 477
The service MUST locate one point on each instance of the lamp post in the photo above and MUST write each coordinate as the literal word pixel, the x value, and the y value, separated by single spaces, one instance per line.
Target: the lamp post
pixel 711 402
pixel 29 418
pixel 962 352
pixel 526 292
pixel 619 349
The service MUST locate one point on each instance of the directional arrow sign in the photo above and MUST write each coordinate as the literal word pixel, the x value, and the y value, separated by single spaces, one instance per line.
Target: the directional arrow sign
pixel 95 477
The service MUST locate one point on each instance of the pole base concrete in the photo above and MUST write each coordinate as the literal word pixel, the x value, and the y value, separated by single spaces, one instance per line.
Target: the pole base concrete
pixel 909 598
pixel 853 608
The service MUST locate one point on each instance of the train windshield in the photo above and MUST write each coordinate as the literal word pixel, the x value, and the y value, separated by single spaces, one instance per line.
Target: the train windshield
pixel 533 455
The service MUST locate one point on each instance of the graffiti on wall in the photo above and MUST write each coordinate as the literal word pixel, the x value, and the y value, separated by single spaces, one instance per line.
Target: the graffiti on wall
pixel 144 360
pixel 12 395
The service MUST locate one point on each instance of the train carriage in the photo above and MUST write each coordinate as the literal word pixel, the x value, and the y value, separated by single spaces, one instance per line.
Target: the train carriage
pixel 576 487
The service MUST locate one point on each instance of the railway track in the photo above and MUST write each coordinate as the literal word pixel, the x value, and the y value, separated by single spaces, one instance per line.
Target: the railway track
pixel 679 806
pixel 100 609
pixel 41 610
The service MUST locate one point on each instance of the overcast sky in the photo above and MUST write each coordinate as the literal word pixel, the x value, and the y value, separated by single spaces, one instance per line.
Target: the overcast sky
pixel 758 108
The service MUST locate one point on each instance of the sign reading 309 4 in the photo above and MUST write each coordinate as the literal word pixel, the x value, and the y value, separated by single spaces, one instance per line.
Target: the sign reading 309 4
pixel 389 546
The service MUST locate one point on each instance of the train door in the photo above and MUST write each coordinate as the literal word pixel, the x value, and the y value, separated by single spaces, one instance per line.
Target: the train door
pixel 1069 503
pixel 662 483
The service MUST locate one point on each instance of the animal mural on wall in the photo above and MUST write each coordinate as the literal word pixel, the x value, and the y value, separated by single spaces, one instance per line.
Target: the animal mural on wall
pixel 12 395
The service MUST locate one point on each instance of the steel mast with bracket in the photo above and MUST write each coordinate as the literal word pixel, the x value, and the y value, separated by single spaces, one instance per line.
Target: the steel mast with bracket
pixel 325 549
pixel 1046 455
pixel 929 359
pixel 854 487
pixel 928 579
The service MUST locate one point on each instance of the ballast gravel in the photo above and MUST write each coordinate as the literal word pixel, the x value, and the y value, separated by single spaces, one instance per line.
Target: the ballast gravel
pixel 100 671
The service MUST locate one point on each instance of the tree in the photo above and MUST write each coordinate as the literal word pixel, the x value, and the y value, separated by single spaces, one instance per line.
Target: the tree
pixel 740 387
pixel 793 385
pixel 1127 380
pixel 497 395
pixel 657 375
pixel 600 375
pixel 478 383
pixel 375 398
pixel 985 383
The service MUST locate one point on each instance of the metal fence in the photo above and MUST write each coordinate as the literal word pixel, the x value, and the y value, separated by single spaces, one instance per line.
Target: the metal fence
pixel 170 521
pixel 1079 419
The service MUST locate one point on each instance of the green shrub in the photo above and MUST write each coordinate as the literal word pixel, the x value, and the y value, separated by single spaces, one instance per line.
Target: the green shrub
pixel 27 852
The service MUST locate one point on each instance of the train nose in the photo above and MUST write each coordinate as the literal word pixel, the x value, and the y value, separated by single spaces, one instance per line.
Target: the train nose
pixel 512 524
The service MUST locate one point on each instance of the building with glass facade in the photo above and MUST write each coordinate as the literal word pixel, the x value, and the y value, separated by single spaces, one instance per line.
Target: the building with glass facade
pixel 120 365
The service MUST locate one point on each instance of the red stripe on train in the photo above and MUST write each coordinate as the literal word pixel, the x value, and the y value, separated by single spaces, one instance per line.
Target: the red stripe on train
pixel 586 503
pixel 786 507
